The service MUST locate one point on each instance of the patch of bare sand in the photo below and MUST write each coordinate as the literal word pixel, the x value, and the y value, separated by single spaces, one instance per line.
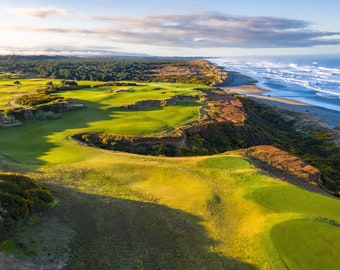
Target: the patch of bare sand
pixel 281 100
pixel 254 91
pixel 247 89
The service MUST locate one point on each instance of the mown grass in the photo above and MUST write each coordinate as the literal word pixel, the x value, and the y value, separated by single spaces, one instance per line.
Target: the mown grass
pixel 308 244
pixel 226 163
pixel 291 199
pixel 48 141
pixel 308 234
pixel 142 212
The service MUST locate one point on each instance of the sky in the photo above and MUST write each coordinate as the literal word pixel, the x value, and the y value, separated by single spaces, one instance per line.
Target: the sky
pixel 170 28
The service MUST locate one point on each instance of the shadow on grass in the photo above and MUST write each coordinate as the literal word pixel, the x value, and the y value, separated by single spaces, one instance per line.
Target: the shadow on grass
pixel 123 234
pixel 25 144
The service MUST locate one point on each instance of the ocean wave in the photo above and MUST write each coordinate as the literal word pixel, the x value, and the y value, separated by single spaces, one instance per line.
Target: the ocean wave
pixel 309 77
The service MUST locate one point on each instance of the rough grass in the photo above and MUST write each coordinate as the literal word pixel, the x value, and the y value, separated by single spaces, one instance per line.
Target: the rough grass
pixel 124 211
pixel 224 199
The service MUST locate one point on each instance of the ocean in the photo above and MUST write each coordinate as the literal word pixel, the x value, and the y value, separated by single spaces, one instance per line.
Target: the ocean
pixel 314 80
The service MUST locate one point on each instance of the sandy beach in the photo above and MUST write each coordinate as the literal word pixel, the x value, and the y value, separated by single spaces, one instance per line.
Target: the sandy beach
pixel 242 84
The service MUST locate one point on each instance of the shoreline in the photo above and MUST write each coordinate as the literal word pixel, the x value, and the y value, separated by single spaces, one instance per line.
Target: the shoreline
pixel 242 84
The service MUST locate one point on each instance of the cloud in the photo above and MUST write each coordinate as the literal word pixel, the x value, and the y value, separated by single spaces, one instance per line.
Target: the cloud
pixel 39 13
pixel 94 51
pixel 217 30
pixel 201 30
pixel 52 30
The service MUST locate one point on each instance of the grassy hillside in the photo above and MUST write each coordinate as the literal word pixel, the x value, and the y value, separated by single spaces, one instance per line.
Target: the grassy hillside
pixel 125 211
pixel 222 204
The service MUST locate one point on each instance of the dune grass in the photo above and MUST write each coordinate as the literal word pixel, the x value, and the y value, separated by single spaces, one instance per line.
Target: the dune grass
pixel 143 212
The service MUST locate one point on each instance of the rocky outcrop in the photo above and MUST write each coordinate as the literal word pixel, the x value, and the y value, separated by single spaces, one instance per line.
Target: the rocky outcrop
pixel 285 162
pixel 9 121
pixel 225 107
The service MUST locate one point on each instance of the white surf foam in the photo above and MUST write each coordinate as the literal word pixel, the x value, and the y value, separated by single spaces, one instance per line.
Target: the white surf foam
pixel 308 81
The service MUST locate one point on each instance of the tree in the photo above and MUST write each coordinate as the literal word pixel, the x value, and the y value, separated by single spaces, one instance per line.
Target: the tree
pixel 50 85
pixel 18 84
pixel 71 83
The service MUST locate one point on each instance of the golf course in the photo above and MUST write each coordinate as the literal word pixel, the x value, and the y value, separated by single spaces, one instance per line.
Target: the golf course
pixel 118 210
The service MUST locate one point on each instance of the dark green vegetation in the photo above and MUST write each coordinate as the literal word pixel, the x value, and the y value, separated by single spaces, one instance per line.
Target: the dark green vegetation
pixel 36 99
pixel 19 58
pixel 153 69
pixel 20 198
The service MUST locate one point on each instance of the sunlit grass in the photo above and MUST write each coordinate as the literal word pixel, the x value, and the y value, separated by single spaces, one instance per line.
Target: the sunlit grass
pixel 225 198
pixel 291 199
pixel 308 244
pixel 251 216
pixel 49 141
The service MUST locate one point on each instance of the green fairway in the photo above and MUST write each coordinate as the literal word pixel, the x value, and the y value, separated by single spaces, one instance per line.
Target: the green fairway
pixel 311 241
pixel 115 96
pixel 308 244
pixel 291 199
pixel 48 141
pixel 125 211
pixel 230 163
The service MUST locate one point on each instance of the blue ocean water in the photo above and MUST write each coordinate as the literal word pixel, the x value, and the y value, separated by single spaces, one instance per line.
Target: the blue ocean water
pixel 310 79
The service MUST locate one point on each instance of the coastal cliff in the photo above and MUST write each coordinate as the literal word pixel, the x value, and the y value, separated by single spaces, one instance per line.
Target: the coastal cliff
pixel 230 122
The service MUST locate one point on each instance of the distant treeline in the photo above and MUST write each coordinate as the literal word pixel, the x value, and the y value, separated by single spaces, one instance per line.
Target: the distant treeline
pixel 19 58
pixel 120 69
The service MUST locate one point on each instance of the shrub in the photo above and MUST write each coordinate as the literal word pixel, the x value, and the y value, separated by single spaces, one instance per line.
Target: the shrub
pixel 20 197
pixel 36 99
